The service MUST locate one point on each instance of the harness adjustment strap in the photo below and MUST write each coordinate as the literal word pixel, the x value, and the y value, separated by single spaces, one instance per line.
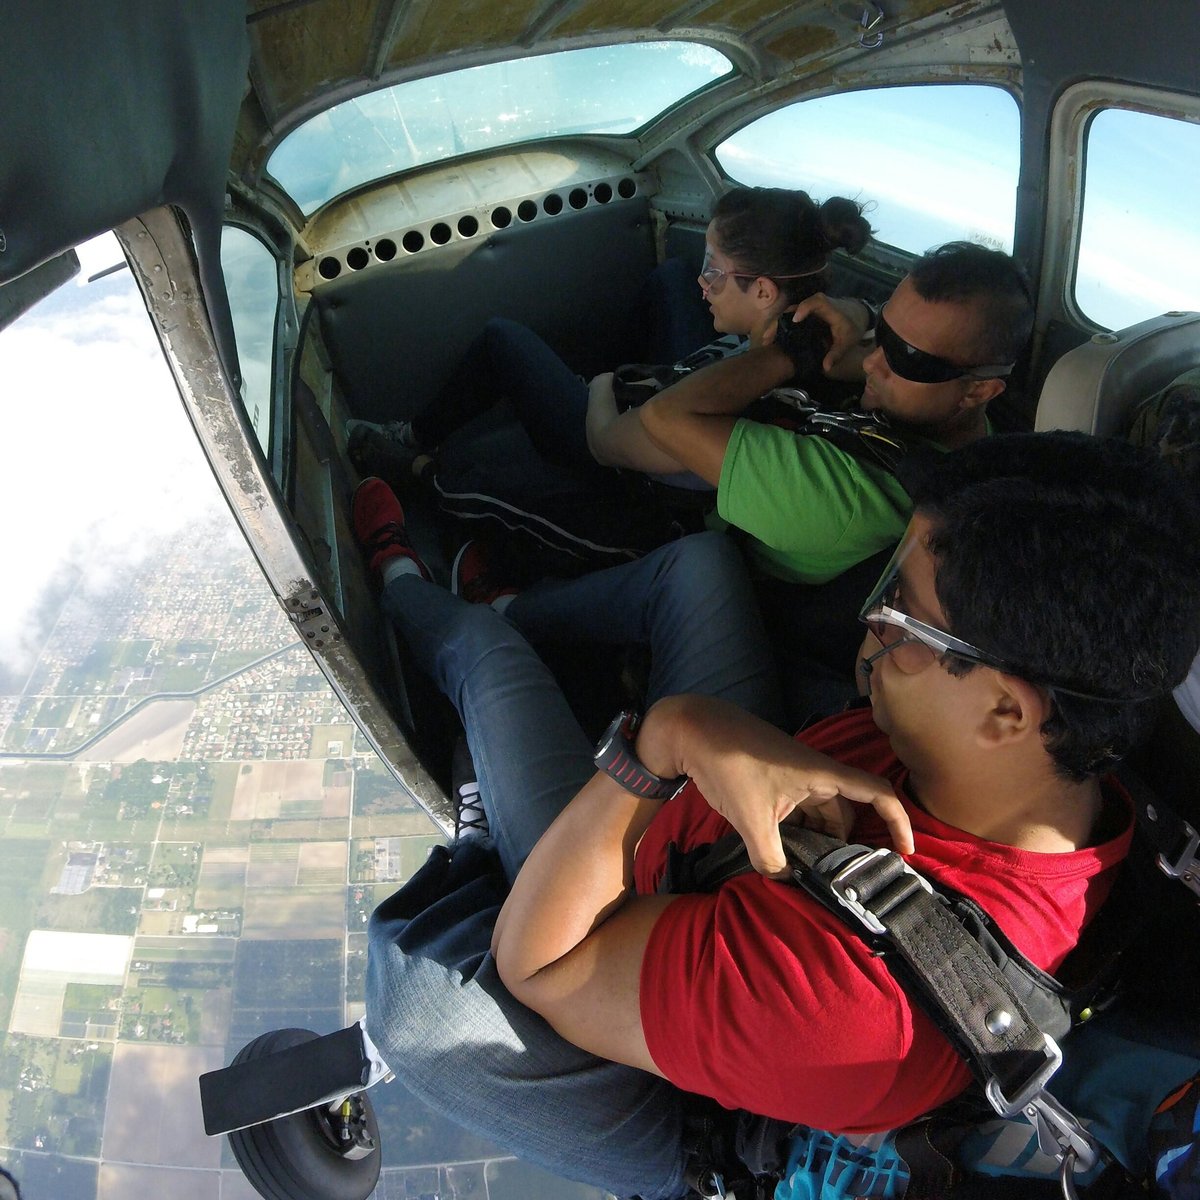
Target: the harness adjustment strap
pixel 964 991
pixel 843 886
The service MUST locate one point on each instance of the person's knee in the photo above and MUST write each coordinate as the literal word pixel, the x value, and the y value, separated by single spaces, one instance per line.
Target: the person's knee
pixel 701 558
pixel 501 333
pixel 479 633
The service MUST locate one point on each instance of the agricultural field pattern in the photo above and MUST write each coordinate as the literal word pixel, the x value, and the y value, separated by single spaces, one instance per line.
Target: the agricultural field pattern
pixel 194 837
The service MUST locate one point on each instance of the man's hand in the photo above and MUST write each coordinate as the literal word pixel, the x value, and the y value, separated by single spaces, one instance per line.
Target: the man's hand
pixel 847 320
pixel 756 795
pixel 757 777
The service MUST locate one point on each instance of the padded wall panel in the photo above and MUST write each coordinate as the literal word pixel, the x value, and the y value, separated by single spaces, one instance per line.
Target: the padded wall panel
pixel 395 335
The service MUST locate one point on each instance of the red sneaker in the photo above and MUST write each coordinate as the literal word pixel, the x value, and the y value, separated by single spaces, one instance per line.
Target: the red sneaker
pixel 473 578
pixel 379 525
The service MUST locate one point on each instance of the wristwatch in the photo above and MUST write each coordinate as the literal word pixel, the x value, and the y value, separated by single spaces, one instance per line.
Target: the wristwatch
pixel 616 757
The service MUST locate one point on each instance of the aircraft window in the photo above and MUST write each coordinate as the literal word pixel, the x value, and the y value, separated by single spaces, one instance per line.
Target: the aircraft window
pixel 604 89
pixel 252 280
pixel 941 161
pixel 1139 241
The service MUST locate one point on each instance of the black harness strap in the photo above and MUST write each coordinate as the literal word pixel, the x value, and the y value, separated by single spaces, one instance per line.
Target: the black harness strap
pixel 868 436
pixel 939 961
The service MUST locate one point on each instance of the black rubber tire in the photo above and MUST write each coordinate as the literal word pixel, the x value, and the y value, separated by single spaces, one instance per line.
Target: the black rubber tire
pixel 290 1158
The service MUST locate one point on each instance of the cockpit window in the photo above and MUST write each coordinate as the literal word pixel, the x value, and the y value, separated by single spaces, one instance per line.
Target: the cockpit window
pixel 604 89
pixel 1138 242
pixel 252 283
pixel 939 161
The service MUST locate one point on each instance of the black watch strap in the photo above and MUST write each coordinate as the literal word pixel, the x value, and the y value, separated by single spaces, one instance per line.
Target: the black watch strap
pixel 615 756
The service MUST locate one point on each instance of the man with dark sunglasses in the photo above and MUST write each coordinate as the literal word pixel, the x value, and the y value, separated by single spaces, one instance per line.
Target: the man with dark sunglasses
pixel 942 348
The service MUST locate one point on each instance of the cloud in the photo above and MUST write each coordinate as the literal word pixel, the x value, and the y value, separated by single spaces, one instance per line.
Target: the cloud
pixel 98 460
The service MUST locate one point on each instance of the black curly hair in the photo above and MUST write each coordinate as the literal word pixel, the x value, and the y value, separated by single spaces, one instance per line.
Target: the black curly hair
pixel 1077 559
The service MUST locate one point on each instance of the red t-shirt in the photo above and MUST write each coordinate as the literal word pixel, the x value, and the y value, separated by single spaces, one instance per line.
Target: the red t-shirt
pixel 757 996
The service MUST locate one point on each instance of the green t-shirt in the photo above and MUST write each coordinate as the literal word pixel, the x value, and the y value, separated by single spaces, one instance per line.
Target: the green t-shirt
pixel 812 510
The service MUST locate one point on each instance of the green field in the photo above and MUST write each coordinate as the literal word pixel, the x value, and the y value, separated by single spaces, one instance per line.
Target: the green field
pixel 45 780
pixel 511 1179
pixel 221 885
pixel 299 808
pixel 207 832
pixel 177 679
pixel 414 851
pixel 224 662
pixel 22 864
pixel 159 1014
pixel 275 852
pixel 175 854
pixel 29 831
pixel 184 949
pixel 98 910
pixel 134 652
pixel 224 777
pixel 322 735
pixel 88 1007
pixel 105 829
pixel 55 712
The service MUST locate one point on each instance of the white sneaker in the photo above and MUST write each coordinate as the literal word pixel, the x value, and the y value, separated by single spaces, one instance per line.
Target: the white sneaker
pixel 470 820
pixel 395 431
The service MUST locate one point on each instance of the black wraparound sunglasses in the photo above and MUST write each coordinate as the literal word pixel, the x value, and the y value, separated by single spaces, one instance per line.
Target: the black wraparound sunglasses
pixel 919 366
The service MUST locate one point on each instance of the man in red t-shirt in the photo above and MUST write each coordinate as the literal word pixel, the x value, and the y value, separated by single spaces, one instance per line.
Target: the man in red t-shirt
pixel 1049 584
pixel 1046 591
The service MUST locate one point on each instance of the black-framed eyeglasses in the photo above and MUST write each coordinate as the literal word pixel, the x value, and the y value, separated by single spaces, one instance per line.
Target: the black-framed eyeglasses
pixel 919 366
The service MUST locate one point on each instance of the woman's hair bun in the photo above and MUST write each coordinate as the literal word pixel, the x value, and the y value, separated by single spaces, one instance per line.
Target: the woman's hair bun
pixel 844 225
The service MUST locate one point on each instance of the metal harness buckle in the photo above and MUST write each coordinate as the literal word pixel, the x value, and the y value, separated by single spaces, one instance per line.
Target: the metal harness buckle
pixel 1186 866
pixel 1059 1134
pixel 842 886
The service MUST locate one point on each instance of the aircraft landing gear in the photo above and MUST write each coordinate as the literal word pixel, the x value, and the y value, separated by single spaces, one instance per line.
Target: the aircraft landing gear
pixel 297 1120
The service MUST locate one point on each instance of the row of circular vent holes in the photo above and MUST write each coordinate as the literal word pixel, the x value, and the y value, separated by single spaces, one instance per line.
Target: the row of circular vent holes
pixel 358 257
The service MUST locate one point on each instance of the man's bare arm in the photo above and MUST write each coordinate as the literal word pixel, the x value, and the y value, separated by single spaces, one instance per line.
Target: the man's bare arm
pixel 570 938
pixel 693 419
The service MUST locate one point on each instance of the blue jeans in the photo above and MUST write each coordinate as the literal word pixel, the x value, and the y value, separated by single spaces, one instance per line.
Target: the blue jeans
pixel 690 601
pixel 435 1006
pixel 509 360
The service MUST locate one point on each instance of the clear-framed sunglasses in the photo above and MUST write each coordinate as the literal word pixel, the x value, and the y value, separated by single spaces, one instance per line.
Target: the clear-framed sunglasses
pixel 914 645
pixel 713 277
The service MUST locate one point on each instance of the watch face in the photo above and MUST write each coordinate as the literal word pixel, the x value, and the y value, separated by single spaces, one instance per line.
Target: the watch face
pixel 619 727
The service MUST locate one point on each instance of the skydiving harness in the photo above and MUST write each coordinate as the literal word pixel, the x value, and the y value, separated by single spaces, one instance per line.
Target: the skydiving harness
pixel 1001 1013
pixel 868 436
